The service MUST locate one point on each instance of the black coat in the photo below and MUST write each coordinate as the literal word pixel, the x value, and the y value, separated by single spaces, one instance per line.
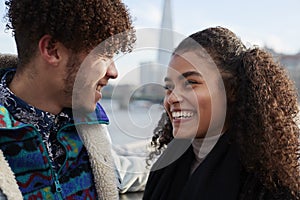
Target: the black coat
pixel 219 177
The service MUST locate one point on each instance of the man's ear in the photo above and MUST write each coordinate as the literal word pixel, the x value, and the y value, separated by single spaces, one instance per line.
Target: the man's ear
pixel 49 50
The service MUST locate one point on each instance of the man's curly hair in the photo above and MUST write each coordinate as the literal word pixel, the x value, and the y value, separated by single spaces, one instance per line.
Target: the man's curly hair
pixel 261 107
pixel 79 24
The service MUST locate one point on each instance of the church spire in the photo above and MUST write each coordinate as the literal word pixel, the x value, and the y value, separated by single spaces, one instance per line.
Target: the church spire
pixel 166 43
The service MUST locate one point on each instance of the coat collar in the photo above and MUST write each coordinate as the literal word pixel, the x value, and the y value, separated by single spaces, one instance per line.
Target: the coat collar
pixel 8 183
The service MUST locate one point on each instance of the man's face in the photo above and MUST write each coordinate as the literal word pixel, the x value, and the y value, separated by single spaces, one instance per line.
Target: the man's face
pixel 86 76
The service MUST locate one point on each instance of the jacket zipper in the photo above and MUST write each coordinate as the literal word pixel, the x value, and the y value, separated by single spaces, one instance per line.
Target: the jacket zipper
pixel 57 184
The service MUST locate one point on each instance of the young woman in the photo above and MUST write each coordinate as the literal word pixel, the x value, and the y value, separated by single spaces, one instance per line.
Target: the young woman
pixel 230 128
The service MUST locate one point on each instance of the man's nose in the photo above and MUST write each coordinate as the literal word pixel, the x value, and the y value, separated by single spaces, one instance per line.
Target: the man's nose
pixel 112 71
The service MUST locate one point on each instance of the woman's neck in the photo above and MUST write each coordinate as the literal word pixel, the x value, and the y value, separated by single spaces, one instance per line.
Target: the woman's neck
pixel 201 148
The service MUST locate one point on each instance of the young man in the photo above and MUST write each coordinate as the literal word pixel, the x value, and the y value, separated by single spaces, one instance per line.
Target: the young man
pixel 46 150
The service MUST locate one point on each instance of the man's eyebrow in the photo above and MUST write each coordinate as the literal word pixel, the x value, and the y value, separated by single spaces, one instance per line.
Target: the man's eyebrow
pixel 190 73
pixel 167 79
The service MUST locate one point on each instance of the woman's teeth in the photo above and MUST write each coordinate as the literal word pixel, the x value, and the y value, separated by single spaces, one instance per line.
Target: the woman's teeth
pixel 182 114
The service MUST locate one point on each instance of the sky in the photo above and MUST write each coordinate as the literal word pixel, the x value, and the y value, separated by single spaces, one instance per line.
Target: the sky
pixel 262 22
pixel 271 23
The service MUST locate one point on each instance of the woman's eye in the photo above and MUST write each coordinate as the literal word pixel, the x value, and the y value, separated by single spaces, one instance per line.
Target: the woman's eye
pixel 190 83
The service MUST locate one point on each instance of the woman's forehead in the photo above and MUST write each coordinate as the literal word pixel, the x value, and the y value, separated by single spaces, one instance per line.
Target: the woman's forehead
pixel 189 61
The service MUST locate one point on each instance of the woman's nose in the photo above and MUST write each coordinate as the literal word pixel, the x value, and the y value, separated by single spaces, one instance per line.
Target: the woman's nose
pixel 174 97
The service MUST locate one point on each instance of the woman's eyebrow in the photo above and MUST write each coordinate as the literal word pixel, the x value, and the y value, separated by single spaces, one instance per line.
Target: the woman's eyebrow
pixel 189 73
pixel 184 75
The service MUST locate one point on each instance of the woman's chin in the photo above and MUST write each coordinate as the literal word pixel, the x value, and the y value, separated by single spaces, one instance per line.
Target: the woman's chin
pixel 183 134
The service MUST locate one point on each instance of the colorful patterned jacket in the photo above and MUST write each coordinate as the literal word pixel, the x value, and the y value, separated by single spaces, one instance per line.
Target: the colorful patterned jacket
pixel 25 165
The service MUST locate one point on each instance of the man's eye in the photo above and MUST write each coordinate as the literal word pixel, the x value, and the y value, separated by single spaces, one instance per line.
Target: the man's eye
pixel 169 87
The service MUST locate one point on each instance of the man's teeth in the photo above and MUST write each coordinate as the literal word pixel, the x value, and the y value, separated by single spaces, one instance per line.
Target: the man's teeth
pixel 182 114
pixel 98 88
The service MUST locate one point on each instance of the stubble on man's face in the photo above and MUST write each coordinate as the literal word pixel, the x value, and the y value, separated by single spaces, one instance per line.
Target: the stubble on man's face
pixel 72 68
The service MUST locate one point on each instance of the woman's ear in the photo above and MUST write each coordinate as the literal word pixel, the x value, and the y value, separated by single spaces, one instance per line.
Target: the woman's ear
pixel 48 48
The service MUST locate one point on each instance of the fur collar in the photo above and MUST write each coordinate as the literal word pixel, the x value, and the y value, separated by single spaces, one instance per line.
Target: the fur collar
pixel 8 183
pixel 96 141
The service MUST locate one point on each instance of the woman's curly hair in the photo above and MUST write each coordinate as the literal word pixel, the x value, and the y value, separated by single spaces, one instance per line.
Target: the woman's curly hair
pixel 262 107
pixel 162 135
pixel 8 61
pixel 79 24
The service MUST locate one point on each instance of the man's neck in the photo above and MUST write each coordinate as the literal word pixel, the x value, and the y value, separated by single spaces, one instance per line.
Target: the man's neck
pixel 36 90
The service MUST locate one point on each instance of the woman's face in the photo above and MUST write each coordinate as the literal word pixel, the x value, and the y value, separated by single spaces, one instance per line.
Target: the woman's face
pixel 194 99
